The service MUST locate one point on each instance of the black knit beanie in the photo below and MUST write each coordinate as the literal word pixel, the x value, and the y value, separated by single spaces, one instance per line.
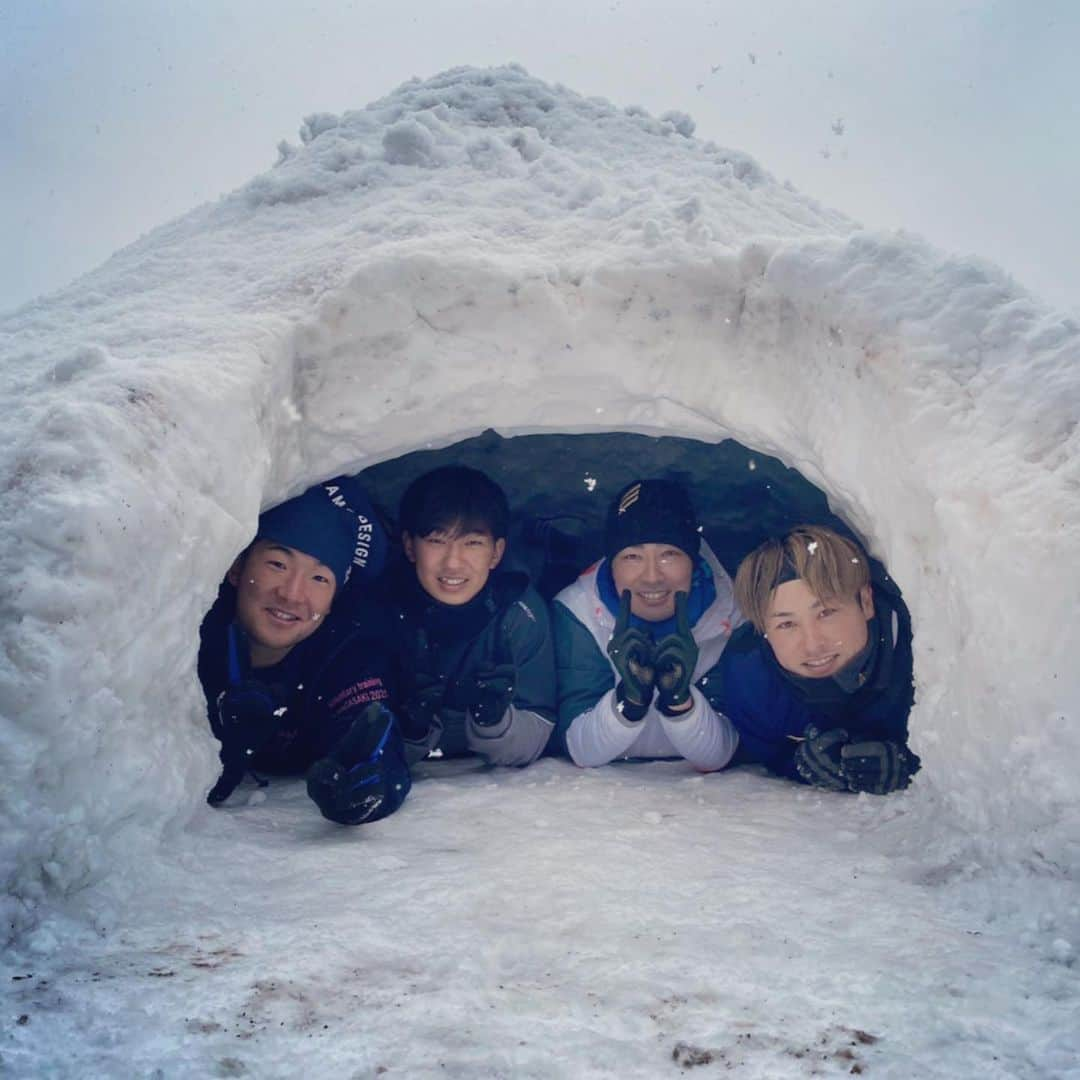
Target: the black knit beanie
pixel 651 512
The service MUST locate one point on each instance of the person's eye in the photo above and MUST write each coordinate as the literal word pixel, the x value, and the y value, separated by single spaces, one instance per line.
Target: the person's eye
pixel 826 612
pixel 475 542
pixel 787 624
pixel 434 540
pixel 632 556
pixel 277 564
pixel 322 579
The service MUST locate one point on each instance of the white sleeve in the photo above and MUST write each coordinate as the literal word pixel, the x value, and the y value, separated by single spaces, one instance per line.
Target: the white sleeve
pixel 600 734
pixel 706 738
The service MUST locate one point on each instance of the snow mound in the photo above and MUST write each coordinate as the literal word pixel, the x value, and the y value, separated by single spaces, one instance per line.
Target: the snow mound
pixel 483 249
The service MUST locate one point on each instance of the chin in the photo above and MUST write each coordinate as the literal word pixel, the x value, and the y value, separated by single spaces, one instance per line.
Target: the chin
pixel 654 614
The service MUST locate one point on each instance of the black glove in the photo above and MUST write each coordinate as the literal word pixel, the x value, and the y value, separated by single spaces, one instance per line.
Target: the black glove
pixel 364 777
pixel 631 651
pixel 420 712
pixel 676 657
pixel 488 694
pixel 878 767
pixel 818 758
pixel 248 718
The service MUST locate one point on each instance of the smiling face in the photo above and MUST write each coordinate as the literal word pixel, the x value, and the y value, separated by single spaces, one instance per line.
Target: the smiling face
pixel 452 567
pixel 282 596
pixel 816 638
pixel 653 573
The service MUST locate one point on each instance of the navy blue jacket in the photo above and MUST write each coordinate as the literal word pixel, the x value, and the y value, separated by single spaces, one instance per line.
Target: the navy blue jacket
pixel 771 712
pixel 321 686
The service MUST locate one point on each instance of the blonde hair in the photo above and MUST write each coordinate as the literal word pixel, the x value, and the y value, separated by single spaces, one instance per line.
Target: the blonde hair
pixel 830 564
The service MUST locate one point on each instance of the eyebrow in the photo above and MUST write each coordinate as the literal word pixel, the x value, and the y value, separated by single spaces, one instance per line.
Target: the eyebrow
pixel 788 614
pixel 459 534
pixel 295 551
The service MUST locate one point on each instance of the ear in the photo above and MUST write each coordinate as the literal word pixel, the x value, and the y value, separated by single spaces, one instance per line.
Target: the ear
pixel 500 547
pixel 409 545
pixel 233 576
pixel 866 601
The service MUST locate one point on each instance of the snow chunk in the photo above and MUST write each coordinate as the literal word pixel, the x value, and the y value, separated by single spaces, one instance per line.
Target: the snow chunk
pixel 680 121
pixel 82 362
pixel 409 143
pixel 315 124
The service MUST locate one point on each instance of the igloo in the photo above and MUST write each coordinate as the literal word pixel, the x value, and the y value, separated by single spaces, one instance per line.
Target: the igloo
pixel 483 250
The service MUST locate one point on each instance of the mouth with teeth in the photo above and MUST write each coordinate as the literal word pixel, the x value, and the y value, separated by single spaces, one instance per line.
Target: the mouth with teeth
pixel 280 615
pixel 654 596
pixel 821 665
pixel 452 583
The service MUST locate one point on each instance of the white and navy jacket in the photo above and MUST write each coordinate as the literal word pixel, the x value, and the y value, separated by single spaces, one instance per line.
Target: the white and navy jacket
pixel 592 729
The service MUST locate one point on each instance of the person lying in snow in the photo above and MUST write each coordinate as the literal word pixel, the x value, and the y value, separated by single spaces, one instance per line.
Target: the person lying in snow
pixel 474 642
pixel 291 689
pixel 819 682
pixel 639 634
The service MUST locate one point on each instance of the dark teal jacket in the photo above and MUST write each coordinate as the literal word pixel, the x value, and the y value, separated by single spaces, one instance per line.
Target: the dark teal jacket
pixel 506 624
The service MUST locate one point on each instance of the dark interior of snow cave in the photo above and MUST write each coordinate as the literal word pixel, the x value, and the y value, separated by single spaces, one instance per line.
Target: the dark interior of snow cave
pixel 559 487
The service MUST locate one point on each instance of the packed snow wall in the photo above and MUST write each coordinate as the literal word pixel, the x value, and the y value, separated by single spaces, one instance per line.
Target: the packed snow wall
pixel 484 250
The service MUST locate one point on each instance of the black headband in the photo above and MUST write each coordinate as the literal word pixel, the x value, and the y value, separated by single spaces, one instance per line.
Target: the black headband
pixel 787 572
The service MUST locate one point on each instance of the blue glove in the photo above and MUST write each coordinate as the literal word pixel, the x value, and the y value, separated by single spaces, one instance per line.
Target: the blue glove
pixel 364 777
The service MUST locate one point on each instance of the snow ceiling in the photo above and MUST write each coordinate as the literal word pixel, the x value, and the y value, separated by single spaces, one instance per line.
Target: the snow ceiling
pixel 478 250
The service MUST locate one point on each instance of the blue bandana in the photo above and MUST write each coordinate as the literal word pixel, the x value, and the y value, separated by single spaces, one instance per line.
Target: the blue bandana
pixel 702 595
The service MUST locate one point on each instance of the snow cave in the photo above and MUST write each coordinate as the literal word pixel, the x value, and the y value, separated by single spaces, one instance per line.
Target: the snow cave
pixel 482 259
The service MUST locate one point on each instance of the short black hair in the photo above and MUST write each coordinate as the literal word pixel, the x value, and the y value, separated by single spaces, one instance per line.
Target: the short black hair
pixel 454 499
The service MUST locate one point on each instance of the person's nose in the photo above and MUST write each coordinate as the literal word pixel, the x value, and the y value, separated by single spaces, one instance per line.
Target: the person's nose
pixel 653 573
pixel 815 639
pixel 290 586
pixel 453 556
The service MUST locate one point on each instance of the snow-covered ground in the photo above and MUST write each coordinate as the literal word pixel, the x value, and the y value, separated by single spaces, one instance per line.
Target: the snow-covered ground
pixel 482 250
pixel 633 921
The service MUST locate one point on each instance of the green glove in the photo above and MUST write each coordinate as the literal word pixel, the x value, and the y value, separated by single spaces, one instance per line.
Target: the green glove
pixel 631 651
pixel 676 658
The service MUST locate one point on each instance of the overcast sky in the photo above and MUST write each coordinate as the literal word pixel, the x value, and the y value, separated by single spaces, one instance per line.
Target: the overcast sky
pixel 959 121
